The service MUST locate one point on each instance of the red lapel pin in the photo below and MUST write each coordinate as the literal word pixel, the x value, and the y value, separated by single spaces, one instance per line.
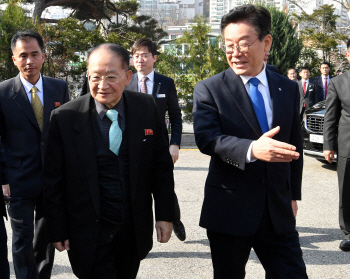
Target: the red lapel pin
pixel 148 132
pixel 57 104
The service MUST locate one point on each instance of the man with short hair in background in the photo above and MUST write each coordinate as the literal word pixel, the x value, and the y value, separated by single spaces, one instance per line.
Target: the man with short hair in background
pixel 323 79
pixel 310 94
pixel 292 74
pixel 26 102
pixel 164 93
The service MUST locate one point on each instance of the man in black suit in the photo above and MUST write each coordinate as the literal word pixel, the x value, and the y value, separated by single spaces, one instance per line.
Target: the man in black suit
pixel 4 263
pixel 163 90
pixel 336 134
pixel 323 80
pixel 26 102
pixel 310 93
pixel 253 181
pixel 100 174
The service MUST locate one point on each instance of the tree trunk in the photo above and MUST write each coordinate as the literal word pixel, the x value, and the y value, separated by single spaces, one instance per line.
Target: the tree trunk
pixel 38 10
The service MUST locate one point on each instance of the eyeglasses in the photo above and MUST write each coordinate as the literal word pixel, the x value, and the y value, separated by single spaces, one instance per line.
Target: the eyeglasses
pixel 243 48
pixel 107 79
pixel 143 56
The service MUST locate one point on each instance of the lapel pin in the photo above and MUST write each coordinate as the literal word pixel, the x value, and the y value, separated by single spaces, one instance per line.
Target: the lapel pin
pixel 148 132
pixel 279 89
pixel 57 104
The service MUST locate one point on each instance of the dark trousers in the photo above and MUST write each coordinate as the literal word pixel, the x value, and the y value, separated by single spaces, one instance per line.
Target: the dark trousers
pixel 280 255
pixel 177 210
pixel 4 264
pixel 343 170
pixel 116 259
pixel 33 255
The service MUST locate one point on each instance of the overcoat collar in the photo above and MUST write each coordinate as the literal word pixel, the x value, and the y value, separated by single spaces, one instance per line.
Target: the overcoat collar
pixel 84 142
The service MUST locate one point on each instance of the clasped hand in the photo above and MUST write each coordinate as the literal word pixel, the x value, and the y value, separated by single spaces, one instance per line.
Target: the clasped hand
pixel 270 150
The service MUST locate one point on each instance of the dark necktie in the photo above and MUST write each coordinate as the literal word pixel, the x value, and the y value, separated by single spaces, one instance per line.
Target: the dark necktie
pixel 258 104
pixel 144 85
pixel 115 133
pixel 325 88
pixel 37 107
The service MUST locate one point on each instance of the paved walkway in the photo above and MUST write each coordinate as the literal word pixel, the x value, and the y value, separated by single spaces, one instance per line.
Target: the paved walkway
pixel 317 223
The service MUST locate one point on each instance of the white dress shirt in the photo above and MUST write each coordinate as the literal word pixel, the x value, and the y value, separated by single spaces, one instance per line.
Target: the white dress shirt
pixel 28 87
pixel 265 92
pixel 149 82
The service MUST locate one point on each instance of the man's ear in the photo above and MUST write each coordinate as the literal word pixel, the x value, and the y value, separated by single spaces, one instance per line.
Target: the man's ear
pixel 128 76
pixel 267 42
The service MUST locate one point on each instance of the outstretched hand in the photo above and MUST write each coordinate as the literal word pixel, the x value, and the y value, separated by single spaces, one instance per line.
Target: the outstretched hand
pixel 270 150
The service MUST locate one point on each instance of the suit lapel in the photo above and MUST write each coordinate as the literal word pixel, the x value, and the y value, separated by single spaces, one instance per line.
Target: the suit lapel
pixel 84 142
pixel 277 96
pixel 301 89
pixel 156 85
pixel 134 83
pixel 135 131
pixel 22 101
pixel 236 89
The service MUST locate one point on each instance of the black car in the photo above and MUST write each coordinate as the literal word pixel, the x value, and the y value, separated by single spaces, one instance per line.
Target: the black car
pixel 313 131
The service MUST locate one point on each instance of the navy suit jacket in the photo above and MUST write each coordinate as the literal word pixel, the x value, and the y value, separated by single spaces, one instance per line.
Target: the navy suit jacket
pixel 225 125
pixel 272 68
pixel 318 81
pixel 23 142
pixel 165 96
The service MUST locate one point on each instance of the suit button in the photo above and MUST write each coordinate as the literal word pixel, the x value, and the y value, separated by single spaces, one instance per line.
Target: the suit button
pixel 42 143
pixel 122 180
pixel 96 221
pixel 110 236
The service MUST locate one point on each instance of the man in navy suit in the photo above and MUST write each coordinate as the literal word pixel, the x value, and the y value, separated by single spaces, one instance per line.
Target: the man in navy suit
pixel 247 119
pixel 323 80
pixel 310 93
pixel 163 90
pixel 26 102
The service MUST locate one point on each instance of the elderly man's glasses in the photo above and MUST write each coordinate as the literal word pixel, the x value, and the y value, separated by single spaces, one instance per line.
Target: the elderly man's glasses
pixel 242 48
pixel 112 79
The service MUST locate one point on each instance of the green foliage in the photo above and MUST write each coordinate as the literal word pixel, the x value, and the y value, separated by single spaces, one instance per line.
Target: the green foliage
pixel 65 46
pixel 12 19
pixel 320 34
pixel 286 46
pixel 203 58
pixel 310 59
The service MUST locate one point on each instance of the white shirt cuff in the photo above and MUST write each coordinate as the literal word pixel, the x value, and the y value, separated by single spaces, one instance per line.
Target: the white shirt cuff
pixel 249 154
